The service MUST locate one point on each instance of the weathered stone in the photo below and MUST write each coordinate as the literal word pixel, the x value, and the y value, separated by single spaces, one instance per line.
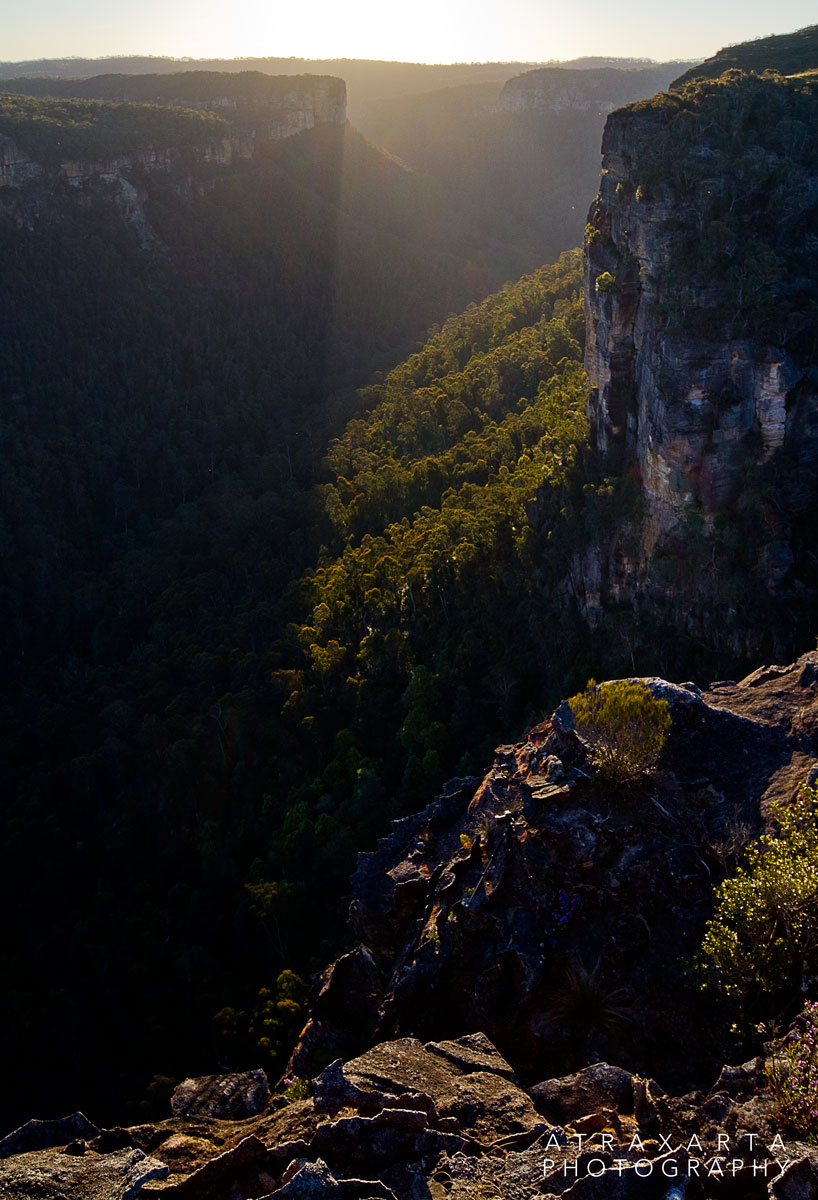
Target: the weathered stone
pixel 466 1079
pixel 310 1179
pixel 184 1153
pixel 237 1169
pixel 557 89
pixel 595 1088
pixel 654 1180
pixel 741 1082
pixel 39 1135
pixel 692 405
pixel 392 1139
pixel 229 1097
pixel 52 1175
pixel 798 1182
pixel 109 1140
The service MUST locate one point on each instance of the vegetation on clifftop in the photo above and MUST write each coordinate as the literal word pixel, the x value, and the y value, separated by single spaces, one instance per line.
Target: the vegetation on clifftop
pixel 787 53
pixel 175 88
pixel 53 131
pixel 742 153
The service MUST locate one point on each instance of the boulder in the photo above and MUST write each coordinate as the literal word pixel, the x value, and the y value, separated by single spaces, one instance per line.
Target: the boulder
pixel 466 1079
pixel 228 1097
pixel 591 1090
pixel 303 1180
pixel 39 1135
pixel 53 1175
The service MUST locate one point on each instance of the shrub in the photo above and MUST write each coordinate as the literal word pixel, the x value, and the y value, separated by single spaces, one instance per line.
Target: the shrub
pixel 764 934
pixel 793 1077
pixel 606 282
pixel 296 1088
pixel 626 725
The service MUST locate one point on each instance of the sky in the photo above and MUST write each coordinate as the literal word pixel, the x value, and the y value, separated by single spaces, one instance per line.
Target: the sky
pixel 421 31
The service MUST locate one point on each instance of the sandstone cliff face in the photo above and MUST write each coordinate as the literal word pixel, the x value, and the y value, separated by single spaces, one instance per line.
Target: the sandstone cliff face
pixel 16 168
pixel 698 256
pixel 251 123
pixel 255 119
pixel 305 105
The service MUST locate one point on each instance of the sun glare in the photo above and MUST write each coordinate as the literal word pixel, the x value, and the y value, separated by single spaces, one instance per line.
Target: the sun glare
pixel 425 31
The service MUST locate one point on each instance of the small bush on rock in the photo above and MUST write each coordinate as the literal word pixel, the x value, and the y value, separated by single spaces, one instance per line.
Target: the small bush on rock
pixel 793 1077
pixel 626 725
pixel 763 939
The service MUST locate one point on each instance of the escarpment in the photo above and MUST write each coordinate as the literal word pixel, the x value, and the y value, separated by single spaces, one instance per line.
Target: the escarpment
pixel 700 336
pixel 80 130
pixel 701 261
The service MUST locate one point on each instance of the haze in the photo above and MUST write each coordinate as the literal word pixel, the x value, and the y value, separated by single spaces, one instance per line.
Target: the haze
pixel 425 31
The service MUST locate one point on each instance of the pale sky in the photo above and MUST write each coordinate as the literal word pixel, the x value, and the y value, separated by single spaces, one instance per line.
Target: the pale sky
pixel 416 31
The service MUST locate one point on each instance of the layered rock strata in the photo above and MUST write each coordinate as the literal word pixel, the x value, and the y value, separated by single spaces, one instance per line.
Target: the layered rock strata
pixel 696 291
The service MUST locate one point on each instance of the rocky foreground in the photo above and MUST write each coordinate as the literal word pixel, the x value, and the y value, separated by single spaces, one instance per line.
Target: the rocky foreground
pixel 538 912
pixel 444 1119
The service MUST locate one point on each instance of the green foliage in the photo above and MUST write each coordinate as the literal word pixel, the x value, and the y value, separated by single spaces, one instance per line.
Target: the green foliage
pixel 583 1003
pixel 605 283
pixel 265 1034
pixel 787 53
pixel 469 404
pixel 792 1074
pixel 763 937
pixel 627 727
pixel 297 1089
pixel 739 155
pixel 54 131
pixel 241 87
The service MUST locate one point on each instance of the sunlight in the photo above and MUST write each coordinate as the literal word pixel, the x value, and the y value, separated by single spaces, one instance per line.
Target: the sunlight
pixel 366 29
pixel 431 31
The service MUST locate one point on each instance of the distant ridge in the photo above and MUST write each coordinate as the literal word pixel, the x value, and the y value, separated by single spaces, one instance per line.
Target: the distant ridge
pixel 787 53
pixel 367 80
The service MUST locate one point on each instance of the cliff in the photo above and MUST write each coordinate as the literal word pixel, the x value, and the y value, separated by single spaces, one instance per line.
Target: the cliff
pixel 700 266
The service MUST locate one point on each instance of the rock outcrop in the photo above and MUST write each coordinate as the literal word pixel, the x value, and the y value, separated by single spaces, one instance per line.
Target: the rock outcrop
pixel 112 167
pixel 553 914
pixel 16 168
